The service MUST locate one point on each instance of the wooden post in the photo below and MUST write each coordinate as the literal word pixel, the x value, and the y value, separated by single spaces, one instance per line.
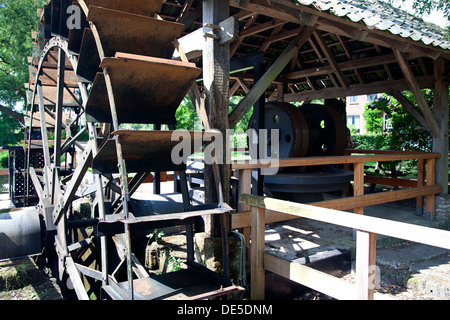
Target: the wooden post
pixel 257 254
pixel 216 69
pixel 245 187
pixel 431 179
pixel 365 243
pixel 358 187
pixel 365 264
pixel 441 113
pixel 420 183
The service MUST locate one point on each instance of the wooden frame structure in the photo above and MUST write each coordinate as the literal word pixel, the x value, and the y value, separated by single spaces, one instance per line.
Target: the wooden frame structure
pixel 366 230
pixel 313 50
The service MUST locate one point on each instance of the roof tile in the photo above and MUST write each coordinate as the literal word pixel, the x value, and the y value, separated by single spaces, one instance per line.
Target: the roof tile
pixel 382 16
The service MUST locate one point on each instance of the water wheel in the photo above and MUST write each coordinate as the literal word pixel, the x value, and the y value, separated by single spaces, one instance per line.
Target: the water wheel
pixel 114 68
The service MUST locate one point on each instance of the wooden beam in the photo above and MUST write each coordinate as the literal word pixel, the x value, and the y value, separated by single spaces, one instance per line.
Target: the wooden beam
pixel 331 60
pixel 275 69
pixel 216 82
pixel 365 264
pixel 345 66
pixel 430 236
pixel 245 187
pixel 358 89
pixel 290 11
pixel 309 161
pixel 358 188
pixel 441 113
pixel 430 180
pixel 314 279
pixel 411 109
pixel 257 254
pixel 415 89
pixel 242 219
pixel 261 27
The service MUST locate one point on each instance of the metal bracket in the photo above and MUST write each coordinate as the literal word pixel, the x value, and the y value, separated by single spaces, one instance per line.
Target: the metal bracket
pixel 226 32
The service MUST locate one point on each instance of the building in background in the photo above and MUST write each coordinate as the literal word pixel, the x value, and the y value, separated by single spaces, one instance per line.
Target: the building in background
pixel 355 110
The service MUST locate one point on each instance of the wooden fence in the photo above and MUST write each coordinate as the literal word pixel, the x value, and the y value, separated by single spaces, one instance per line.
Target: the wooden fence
pixel 366 230
pixel 253 213
pixel 423 186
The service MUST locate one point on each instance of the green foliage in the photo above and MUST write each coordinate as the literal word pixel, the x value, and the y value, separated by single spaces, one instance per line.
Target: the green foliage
pixel 188 119
pixel 372 141
pixel 11 131
pixel 242 125
pixel 17 19
pixel 186 115
pixel 374 119
pixel 4 155
pixel 407 132
pixel 426 6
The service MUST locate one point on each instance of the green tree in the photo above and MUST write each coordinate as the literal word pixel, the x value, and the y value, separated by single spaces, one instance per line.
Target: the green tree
pixel 17 19
pixel 407 133
pixel 186 115
pixel 426 6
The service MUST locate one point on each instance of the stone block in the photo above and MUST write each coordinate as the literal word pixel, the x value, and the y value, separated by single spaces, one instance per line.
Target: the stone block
pixel 208 252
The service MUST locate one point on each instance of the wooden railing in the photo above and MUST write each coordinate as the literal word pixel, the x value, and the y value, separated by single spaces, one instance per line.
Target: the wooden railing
pixel 423 186
pixel 366 230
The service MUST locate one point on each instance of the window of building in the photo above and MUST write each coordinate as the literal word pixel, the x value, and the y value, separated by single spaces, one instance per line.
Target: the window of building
pixel 355 121
pixel 353 99
pixel 371 97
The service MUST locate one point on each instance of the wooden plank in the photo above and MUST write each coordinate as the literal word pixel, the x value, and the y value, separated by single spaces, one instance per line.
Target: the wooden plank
pixel 420 183
pixel 216 81
pixel 441 112
pixel 408 183
pixel 245 187
pixel 358 89
pixel 257 254
pixel 415 89
pixel 368 151
pixel 242 219
pixel 364 264
pixel 415 233
pixel 136 57
pixel 310 161
pixel 378 198
pixel 314 279
pixel 431 178
pixel 307 276
pixel 358 186
pixel 266 80
pixel 331 60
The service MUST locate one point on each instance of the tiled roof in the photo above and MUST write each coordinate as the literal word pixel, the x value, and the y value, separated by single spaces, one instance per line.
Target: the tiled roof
pixel 382 16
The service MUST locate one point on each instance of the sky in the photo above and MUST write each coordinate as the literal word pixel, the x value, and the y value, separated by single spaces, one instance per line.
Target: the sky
pixel 435 17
